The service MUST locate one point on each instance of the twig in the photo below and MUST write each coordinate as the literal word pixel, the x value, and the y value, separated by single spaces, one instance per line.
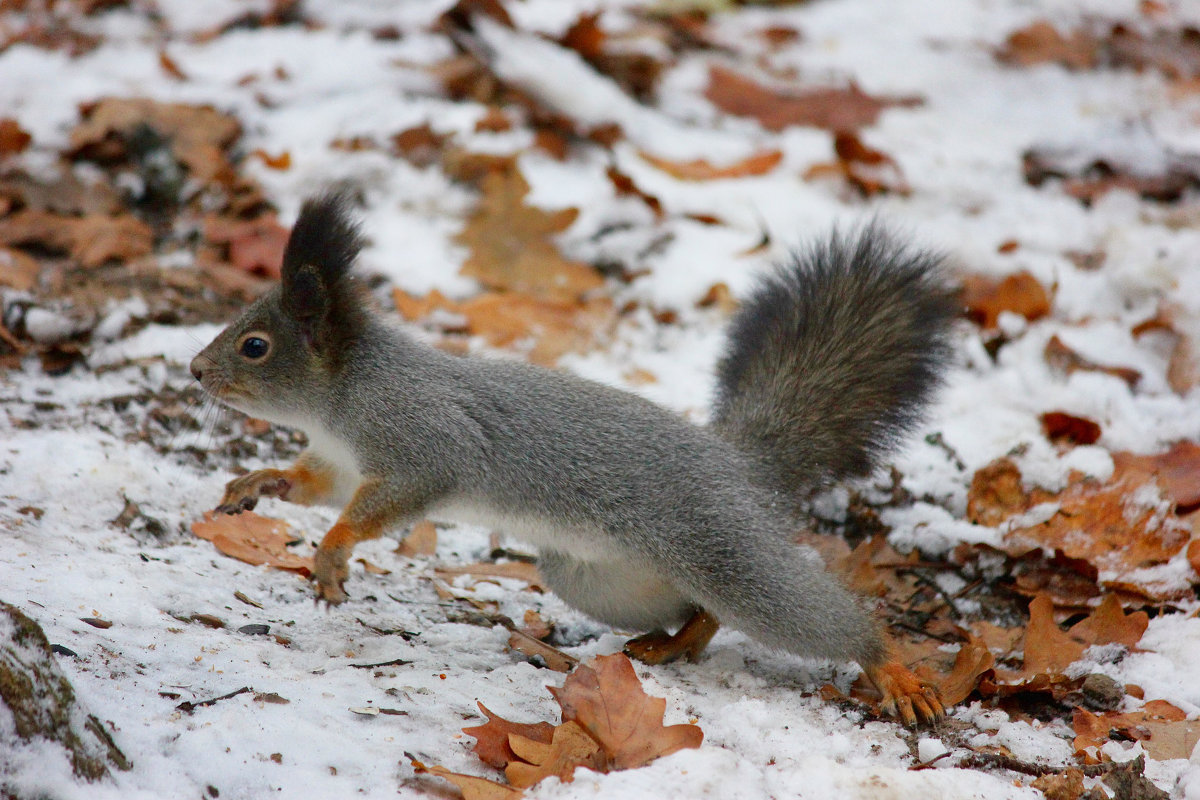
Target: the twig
pixel 188 706
pixel 395 662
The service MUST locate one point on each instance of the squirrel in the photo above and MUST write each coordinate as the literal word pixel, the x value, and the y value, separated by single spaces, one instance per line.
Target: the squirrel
pixel 640 518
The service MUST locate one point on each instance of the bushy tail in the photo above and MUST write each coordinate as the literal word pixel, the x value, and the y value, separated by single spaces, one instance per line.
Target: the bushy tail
pixel 833 358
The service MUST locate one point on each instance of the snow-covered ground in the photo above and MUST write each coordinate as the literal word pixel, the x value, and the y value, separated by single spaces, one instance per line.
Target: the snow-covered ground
pixel 74 448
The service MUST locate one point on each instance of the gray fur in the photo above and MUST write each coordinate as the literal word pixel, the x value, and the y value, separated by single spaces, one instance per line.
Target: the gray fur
pixel 640 517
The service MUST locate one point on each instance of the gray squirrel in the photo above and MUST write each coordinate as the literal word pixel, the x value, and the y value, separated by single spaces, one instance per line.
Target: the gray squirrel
pixel 641 519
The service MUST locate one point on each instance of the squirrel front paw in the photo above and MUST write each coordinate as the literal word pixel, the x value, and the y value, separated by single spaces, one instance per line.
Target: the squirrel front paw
pixel 242 494
pixel 330 570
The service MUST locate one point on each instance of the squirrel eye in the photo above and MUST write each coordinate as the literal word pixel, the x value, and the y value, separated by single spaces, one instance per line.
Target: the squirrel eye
pixel 255 347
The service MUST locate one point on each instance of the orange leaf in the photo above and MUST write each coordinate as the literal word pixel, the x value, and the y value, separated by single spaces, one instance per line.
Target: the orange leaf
pixel 836 109
pixel 606 698
pixel 491 738
pixel 554 658
pixel 472 787
pixel 1040 42
pixel 421 540
pixel 252 538
pixel 280 162
pixel 170 67
pixel 701 170
pixel 1062 358
pixel 972 661
pixel 1058 426
pixel 511 248
pixel 985 298
pixel 570 747
pixel 254 245
pixel 13 138
pixel 1109 624
pixel 1047 647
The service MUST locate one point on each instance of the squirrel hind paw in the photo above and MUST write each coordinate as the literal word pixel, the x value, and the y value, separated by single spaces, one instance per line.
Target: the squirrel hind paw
pixel 905 696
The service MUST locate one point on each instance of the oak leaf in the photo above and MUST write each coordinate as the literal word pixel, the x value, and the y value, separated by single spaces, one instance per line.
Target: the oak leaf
pixel 254 539
pixel 471 786
pixel 491 738
pixel 836 109
pixel 91 240
pixel 1109 624
pixel 973 660
pixel 570 747
pixel 1047 647
pixel 1164 730
pixel 606 699
pixel 702 170
pixel 511 248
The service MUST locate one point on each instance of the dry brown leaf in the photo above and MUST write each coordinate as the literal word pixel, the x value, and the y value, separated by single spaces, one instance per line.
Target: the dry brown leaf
pixel 1041 43
pixel 1047 647
pixel 281 162
pixel 1109 624
pixel 1060 426
pixel 986 298
pixel 570 748
pixel 491 738
pixel 1177 471
pixel 868 170
pixel 472 787
pixel 372 568
pixel 199 135
pixel 1064 359
pixel 91 240
pixel 1112 526
pixel 554 658
pixel 170 67
pixel 511 320
pixel 606 699
pixel 1163 729
pixel 1183 364
pixel 254 539
pixel 1066 785
pixel 18 270
pixel 533 625
pixel 511 248
pixel 1086 177
pixel 973 660
pixel 624 185
pixel 255 246
pixel 421 540
pixel 13 138
pixel 702 170
pixel 835 109
pixel 516 570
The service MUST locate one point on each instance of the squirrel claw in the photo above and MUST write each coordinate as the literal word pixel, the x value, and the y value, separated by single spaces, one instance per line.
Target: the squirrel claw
pixel 905 696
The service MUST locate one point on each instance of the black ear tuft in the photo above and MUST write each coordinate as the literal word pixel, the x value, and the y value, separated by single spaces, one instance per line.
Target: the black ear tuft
pixel 326 236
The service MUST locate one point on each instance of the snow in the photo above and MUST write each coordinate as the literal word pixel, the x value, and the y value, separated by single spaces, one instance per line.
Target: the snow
pixel 766 733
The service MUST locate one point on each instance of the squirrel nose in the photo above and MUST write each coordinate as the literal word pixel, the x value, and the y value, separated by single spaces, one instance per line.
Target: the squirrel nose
pixel 197 370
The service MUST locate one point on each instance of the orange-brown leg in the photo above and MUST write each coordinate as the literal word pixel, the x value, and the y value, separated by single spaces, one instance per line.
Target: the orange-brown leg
pixel 904 695
pixel 660 647
pixel 308 481
pixel 374 507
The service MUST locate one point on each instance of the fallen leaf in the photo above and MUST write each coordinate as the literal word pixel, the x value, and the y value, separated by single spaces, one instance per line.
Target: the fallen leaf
pixel 419 145
pixel 1109 624
pixel 702 170
pixel 554 658
pixel 199 135
pixel 255 246
pixel 13 138
pixel 1041 43
pixel 624 185
pixel 170 67
pixel 835 109
pixel 1065 360
pixel 281 162
pixel 1117 526
pixel 1177 470
pixel 1047 647
pixel 1163 729
pixel 570 748
pixel 372 568
pixel 18 270
pixel 533 625
pixel 515 570
pixel 1067 785
pixel 606 699
pixel 472 787
pixel 254 539
pixel 550 328
pixel 972 661
pixel 1183 365
pixel 511 248
pixel 1087 177
pixel 91 240
pixel 868 170
pixel 421 540
pixel 1060 426
pixel 491 738
pixel 986 298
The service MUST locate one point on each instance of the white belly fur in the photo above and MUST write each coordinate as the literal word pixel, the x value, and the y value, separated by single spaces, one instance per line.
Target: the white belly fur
pixel 584 543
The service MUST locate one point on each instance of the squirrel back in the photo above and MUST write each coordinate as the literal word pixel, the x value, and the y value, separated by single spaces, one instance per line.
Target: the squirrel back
pixel 833 359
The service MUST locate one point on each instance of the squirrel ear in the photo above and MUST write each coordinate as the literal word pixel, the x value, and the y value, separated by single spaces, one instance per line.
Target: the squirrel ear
pixel 304 296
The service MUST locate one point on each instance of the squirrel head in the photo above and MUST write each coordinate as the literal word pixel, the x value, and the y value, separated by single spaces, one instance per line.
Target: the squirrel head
pixel 274 361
